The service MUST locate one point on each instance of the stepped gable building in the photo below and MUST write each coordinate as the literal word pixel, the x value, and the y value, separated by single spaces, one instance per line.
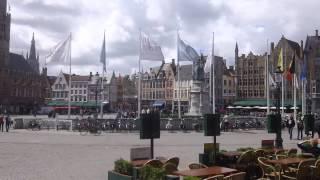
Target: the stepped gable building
pixel 250 73
pixel 289 49
pixel 312 57
pixel 22 88
pixel 229 86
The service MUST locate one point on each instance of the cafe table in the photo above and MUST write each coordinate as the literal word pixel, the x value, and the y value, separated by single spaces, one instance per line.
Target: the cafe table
pixel 206 172
pixel 141 162
pixel 286 162
pixel 231 154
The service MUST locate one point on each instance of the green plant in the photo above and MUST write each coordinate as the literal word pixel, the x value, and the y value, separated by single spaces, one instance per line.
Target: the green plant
pixel 150 173
pixel 191 178
pixel 123 167
pixel 245 149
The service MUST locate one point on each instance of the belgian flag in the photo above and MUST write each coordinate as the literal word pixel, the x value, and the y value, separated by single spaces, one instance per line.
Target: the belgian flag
pixel 291 69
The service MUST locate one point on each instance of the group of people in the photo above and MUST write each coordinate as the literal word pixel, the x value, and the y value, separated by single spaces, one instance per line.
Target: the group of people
pixel 5 120
pixel 290 124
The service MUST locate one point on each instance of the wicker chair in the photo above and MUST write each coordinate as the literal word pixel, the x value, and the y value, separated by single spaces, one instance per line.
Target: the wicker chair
pixel 303 171
pixel 169 168
pixel 236 176
pixel 196 166
pixel 173 160
pixel 244 160
pixel 292 152
pixel 260 153
pixel 280 156
pixel 280 152
pixel 154 163
pixel 316 170
pixel 269 171
pixel 217 177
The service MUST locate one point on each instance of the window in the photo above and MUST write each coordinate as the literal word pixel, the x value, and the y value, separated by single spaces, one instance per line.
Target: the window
pixel 75 91
pixel 80 91
pixel 224 82
pixel 56 86
pixel 63 86
pixel 84 91
pixel 71 91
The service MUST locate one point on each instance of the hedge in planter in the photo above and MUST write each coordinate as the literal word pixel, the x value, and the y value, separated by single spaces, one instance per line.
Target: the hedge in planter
pixel 148 172
pixel 122 170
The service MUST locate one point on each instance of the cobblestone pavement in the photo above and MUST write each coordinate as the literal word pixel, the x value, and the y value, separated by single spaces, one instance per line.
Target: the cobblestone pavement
pixel 51 155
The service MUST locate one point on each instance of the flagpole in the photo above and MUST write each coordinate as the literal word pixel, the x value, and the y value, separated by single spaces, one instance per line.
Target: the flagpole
pixel 267 79
pixel 282 84
pixel 139 81
pixel 179 103
pixel 102 79
pixel 212 74
pixel 70 76
pixel 295 96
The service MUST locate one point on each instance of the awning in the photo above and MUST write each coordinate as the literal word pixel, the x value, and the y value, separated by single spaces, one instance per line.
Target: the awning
pixel 158 103
pixel 230 107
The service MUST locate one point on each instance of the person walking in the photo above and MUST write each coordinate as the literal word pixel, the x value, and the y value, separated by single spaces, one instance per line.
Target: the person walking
pixel 1 122
pixel 290 126
pixel 300 129
pixel 8 122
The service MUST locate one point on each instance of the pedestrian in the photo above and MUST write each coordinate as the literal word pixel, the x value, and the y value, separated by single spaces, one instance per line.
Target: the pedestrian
pixel 290 125
pixel 300 129
pixel 8 122
pixel 1 122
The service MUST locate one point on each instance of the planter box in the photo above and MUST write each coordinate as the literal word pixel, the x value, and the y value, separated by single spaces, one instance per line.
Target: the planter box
pixel 116 176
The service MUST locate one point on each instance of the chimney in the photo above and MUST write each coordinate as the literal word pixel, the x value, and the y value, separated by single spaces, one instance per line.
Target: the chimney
pixel 317 33
pixel 90 74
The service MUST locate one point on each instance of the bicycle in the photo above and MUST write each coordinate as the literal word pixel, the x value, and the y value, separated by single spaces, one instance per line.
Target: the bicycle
pixel 92 127
pixel 34 125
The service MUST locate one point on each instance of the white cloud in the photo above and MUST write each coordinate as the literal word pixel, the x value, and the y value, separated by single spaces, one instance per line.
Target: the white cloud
pixel 249 22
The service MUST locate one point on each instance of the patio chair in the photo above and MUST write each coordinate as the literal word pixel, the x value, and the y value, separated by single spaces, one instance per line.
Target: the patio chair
pixel 280 156
pixel 217 177
pixel 316 170
pixel 260 153
pixel 303 171
pixel 173 160
pixel 236 176
pixel 306 155
pixel 280 152
pixel 196 166
pixel 292 152
pixel 154 163
pixel 169 168
pixel 244 160
pixel 269 171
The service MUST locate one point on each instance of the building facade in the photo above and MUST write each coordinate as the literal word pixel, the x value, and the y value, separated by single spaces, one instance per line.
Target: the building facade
pixel 250 74
pixel 289 50
pixel 312 59
pixel 186 81
pixel 229 86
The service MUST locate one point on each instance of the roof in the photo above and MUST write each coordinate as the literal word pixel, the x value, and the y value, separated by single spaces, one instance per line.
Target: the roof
pixel 295 46
pixel 185 72
pixel 311 42
pixel 80 78
pixel 229 72
pixel 18 62
pixel 51 79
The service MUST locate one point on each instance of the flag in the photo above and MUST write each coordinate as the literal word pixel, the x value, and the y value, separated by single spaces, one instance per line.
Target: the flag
pixel 280 60
pixel 103 53
pixel 271 80
pixel 186 52
pixel 150 50
pixel 296 82
pixel 291 69
pixel 303 75
pixel 208 63
pixel 61 52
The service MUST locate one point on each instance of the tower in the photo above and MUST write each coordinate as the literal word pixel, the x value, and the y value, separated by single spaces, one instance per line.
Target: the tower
pixel 33 58
pixel 5 21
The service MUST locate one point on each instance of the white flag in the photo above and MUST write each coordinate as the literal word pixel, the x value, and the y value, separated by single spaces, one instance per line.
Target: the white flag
pixel 271 80
pixel 296 82
pixel 150 50
pixel 103 53
pixel 208 63
pixel 61 52
pixel 186 52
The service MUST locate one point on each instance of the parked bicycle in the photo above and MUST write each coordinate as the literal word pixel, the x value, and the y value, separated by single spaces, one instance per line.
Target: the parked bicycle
pixel 34 125
pixel 90 126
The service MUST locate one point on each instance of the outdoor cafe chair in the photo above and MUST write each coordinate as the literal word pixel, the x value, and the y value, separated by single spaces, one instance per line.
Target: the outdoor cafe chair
pixel 217 177
pixel 303 172
pixel 260 153
pixel 173 160
pixel 292 152
pixel 244 160
pixel 154 163
pixel 169 168
pixel 236 176
pixel 269 171
pixel 281 156
pixel 196 166
pixel 280 152
pixel 316 170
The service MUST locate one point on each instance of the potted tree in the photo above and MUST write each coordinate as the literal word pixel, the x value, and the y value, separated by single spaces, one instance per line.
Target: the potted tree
pixel 123 170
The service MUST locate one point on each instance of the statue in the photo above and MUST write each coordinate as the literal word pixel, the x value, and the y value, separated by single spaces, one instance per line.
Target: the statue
pixel 198 69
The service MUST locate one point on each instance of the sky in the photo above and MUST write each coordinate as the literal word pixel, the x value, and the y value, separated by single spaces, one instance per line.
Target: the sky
pixel 251 23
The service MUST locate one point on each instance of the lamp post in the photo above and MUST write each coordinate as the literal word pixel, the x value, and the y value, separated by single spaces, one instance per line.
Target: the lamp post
pixel 278 79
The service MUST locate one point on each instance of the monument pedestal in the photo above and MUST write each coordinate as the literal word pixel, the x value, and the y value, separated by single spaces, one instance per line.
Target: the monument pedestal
pixel 199 100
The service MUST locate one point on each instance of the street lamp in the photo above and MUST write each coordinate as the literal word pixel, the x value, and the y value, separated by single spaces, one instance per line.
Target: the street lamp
pixel 278 80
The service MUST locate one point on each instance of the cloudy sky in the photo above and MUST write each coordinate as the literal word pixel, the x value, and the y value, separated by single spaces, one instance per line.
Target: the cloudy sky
pixel 249 22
